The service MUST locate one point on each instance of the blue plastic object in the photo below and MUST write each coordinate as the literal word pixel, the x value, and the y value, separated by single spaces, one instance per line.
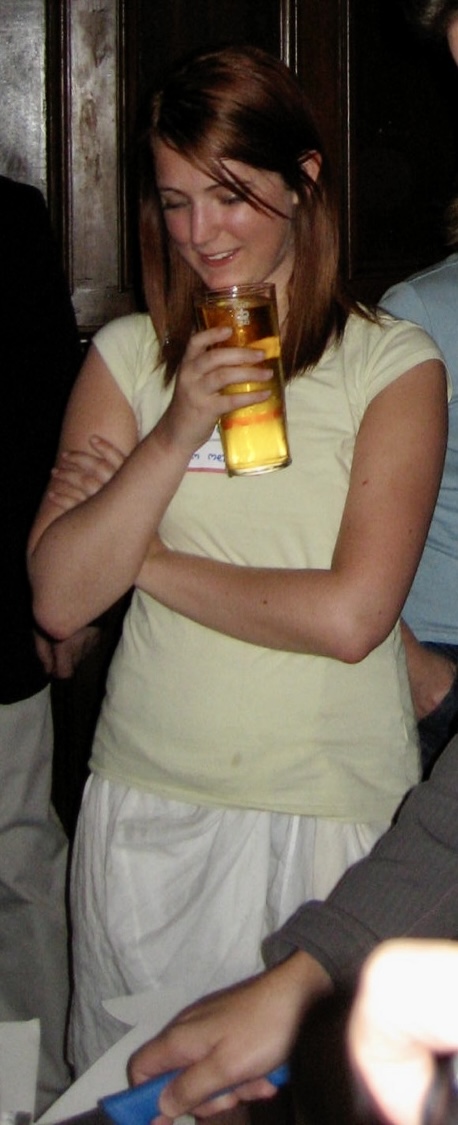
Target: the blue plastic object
pixel 138 1105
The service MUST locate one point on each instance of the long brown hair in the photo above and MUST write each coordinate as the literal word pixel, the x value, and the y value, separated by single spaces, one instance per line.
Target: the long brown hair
pixel 239 103
pixel 451 224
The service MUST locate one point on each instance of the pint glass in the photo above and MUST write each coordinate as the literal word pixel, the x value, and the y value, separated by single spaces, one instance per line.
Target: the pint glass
pixel 254 438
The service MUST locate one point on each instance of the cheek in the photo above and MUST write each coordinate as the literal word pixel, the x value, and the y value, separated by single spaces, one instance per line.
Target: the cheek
pixel 276 234
pixel 177 224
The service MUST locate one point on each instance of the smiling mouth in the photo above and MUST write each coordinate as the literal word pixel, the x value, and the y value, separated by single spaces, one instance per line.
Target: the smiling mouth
pixel 224 256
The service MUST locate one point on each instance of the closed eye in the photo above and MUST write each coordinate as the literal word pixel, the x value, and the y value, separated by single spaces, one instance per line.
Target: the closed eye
pixel 173 204
pixel 228 200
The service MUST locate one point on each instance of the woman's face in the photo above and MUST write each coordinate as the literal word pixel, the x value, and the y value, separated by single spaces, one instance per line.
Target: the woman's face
pixel 222 237
pixel 452 38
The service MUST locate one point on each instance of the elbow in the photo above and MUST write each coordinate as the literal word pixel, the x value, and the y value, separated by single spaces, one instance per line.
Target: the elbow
pixel 58 627
pixel 354 639
pixel 356 652
pixel 54 615
pixel 54 609
pixel 43 612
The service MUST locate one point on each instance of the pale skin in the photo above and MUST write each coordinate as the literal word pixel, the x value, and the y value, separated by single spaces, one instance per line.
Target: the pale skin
pixel 405 1014
pixel 60 659
pixel 232 1038
pixel 452 39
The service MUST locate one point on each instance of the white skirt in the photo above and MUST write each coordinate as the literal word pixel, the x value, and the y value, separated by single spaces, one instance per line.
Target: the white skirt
pixel 177 898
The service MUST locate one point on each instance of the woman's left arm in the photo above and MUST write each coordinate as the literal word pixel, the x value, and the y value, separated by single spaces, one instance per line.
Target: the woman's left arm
pixel 348 610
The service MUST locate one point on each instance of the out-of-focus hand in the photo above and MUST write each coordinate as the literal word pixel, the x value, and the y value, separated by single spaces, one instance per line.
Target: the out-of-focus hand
pixel 431 674
pixel 61 658
pixel 79 474
pixel 404 1015
pixel 230 1039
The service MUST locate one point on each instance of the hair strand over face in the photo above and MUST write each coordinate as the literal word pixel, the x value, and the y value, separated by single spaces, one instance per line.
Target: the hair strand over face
pixel 241 104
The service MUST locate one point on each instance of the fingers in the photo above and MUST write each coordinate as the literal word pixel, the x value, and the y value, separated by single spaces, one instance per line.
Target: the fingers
pixel 79 474
pixel 182 1094
pixel 257 1090
pixel 112 455
pixel 205 1086
pixel 215 363
pixel 223 380
pixel 44 652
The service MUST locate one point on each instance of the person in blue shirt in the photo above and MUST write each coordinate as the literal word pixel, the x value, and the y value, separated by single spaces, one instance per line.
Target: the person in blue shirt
pixel 430 618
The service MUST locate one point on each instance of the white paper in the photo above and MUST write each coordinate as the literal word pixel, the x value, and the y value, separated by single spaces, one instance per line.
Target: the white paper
pixel 19 1050
pixel 151 1007
pixel 109 1073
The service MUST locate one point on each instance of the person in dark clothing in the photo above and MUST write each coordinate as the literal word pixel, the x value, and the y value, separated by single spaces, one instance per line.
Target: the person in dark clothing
pixel 41 355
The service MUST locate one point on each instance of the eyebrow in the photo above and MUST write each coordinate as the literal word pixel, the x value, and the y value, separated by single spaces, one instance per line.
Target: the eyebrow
pixel 230 185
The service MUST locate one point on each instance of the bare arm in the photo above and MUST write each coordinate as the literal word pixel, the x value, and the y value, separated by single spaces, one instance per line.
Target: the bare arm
pixel 232 1038
pixel 83 559
pixel 61 658
pixel 343 612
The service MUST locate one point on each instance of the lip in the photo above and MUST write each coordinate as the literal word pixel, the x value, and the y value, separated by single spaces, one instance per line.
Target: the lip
pixel 214 263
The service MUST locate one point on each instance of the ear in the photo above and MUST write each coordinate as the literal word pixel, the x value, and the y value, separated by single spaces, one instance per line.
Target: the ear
pixel 311 164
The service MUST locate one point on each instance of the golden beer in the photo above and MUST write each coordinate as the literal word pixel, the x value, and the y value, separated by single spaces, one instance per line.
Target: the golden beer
pixel 254 438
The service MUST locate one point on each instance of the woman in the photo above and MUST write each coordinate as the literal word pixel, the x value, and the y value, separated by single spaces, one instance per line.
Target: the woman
pixel 257 732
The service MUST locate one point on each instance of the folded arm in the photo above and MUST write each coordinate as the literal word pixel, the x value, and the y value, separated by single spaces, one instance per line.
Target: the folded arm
pixel 343 612
pixel 85 554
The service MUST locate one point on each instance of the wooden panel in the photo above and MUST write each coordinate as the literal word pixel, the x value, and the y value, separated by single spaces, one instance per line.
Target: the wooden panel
pixel 89 126
pixel 402 146
pixel 169 30
pixel 22 104
pixel 386 105
pixel 322 68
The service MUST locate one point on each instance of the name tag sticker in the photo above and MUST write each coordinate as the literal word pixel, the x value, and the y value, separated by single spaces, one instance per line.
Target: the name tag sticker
pixel 210 457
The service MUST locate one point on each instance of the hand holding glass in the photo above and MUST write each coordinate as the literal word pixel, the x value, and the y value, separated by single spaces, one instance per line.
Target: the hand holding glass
pixel 254 438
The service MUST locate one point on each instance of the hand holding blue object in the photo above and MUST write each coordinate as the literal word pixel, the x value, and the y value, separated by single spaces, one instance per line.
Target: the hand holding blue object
pixel 138 1105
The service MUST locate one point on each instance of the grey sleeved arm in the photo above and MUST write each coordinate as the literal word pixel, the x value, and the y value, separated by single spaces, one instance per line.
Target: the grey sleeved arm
pixel 408 885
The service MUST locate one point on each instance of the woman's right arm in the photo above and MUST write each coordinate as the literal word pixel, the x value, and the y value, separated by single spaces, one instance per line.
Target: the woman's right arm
pixel 83 559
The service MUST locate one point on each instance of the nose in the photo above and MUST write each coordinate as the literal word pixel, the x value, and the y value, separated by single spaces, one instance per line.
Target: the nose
pixel 204 224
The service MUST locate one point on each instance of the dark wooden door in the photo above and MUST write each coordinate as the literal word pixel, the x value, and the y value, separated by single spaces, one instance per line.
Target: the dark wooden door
pixel 74 70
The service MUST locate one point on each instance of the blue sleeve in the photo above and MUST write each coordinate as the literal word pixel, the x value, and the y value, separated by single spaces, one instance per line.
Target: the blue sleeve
pixel 404 302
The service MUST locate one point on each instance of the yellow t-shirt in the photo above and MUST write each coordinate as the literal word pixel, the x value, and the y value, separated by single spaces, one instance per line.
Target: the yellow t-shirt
pixel 197 716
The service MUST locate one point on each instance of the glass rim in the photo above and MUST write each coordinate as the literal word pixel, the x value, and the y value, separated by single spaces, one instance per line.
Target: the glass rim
pixel 261 288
